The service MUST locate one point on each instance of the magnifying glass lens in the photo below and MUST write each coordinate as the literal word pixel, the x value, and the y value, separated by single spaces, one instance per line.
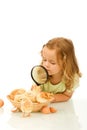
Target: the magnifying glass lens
pixel 39 74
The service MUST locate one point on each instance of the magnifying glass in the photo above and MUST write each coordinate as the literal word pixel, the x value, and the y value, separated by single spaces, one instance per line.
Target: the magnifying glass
pixel 39 74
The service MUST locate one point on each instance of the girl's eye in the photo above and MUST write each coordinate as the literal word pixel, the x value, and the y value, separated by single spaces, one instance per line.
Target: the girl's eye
pixel 53 63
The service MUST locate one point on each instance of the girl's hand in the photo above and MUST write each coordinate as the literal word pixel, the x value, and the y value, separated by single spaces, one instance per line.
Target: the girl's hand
pixel 33 87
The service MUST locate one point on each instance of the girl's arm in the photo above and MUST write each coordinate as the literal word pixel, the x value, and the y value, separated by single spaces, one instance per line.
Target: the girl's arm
pixel 62 97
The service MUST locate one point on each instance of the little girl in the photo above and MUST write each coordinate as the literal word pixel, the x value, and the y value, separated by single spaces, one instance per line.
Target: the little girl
pixel 58 57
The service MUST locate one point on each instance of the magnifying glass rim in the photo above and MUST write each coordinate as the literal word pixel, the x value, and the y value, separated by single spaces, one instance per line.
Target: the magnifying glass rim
pixel 33 76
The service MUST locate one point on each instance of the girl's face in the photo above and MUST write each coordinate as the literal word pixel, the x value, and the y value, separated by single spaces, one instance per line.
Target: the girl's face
pixel 50 61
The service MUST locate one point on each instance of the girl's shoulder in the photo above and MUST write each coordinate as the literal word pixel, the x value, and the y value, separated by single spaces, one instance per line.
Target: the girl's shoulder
pixel 76 80
pixel 75 83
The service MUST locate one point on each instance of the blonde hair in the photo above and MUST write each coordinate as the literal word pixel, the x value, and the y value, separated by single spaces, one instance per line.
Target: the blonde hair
pixel 65 52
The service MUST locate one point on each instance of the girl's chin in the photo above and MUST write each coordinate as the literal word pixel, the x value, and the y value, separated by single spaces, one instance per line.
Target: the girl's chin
pixel 50 75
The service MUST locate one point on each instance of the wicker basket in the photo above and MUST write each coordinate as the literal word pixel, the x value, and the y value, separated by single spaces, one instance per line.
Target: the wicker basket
pixel 39 106
pixel 36 106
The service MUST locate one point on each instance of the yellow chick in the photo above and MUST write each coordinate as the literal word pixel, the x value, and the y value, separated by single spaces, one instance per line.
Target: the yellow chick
pixel 26 106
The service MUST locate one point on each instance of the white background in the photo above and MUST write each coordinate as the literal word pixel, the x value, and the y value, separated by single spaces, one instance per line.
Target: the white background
pixel 25 25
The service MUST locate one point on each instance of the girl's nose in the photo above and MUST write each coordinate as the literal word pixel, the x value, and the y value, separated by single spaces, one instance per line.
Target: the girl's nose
pixel 47 64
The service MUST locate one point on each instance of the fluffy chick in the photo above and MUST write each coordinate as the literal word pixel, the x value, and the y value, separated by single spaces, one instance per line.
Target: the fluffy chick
pixel 26 106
